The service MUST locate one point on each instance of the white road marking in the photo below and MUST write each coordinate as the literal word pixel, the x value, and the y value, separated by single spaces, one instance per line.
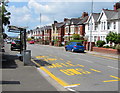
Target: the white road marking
pixel 42 72
pixel 85 60
pixel 71 86
pixel 70 89
pixel 113 67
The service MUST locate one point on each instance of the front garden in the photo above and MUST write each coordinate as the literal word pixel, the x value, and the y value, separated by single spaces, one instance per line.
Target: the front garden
pixel 112 44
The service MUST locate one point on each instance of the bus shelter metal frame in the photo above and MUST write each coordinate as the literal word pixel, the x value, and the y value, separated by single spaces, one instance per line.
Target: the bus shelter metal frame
pixel 22 31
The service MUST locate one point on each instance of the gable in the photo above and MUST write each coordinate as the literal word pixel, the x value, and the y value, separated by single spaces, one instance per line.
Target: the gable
pixel 102 16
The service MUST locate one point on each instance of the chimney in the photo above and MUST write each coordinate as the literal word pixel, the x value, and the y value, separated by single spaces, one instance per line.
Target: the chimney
pixel 84 14
pixel 65 19
pixel 117 6
pixel 55 22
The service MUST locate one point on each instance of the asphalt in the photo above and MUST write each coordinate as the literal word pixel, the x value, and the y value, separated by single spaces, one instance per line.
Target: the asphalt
pixel 17 77
pixel 91 52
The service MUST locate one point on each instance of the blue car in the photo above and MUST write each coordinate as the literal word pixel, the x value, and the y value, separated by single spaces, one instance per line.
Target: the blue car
pixel 75 47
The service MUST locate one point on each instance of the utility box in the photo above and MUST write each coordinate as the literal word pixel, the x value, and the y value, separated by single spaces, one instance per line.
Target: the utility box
pixel 27 57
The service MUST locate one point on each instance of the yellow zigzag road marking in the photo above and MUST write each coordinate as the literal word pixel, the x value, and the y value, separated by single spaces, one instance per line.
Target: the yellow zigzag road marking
pixel 118 79
pixel 105 57
pixel 41 56
pixel 95 70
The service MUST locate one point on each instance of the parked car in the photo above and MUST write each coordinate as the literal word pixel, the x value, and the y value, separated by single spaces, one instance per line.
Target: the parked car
pixel 9 41
pixel 31 42
pixel 16 44
pixel 75 47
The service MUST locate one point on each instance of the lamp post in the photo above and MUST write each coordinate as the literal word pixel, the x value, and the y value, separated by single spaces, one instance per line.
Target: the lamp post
pixel 90 46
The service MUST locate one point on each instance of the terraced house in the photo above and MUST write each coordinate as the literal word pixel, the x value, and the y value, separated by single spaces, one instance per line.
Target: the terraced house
pixel 36 33
pixel 57 32
pixel 47 34
pixel 75 26
pixel 100 24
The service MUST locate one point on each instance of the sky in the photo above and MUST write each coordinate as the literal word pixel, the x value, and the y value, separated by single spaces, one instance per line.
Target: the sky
pixel 27 13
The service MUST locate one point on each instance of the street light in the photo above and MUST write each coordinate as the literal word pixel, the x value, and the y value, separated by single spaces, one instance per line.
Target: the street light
pixel 90 46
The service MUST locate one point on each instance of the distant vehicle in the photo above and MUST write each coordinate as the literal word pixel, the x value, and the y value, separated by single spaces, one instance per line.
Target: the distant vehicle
pixel 9 41
pixel 31 42
pixel 15 45
pixel 75 47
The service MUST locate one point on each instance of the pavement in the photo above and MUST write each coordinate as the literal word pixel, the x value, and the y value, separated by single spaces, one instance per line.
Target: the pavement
pixel 17 77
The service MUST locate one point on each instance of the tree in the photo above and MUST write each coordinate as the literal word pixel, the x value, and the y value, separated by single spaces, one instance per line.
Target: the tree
pixel 4 35
pixel 76 37
pixel 118 39
pixel 100 43
pixel 4 13
pixel 113 38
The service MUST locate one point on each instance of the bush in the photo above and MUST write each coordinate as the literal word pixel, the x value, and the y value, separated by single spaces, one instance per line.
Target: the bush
pixel 76 36
pixel 29 39
pixel 100 43
pixel 75 41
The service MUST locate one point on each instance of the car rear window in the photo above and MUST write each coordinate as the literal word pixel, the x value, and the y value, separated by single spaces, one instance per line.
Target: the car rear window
pixel 18 42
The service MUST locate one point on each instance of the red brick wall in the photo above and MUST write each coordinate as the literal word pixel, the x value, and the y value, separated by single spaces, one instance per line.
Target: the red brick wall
pixel 76 30
pixel 105 50
pixel 82 30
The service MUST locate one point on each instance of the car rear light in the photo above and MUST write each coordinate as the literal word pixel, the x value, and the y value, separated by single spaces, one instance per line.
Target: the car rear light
pixel 13 43
pixel 75 46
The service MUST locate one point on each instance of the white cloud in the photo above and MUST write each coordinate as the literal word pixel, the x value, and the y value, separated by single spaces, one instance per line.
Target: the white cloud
pixel 65 0
pixel 29 14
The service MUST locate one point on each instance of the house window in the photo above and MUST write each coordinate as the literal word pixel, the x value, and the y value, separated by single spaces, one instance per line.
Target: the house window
pixel 72 30
pixel 108 25
pixel 96 26
pixel 67 30
pixel 104 25
pixel 95 38
pixel 114 25
pixel 88 26
pixel 56 30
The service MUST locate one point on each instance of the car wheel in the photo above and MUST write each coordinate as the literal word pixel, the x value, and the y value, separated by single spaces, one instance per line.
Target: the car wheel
pixel 72 50
pixel 66 49
pixel 11 49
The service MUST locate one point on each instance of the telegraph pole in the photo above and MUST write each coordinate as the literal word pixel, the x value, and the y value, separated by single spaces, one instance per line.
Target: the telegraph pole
pixel 40 20
pixel 91 26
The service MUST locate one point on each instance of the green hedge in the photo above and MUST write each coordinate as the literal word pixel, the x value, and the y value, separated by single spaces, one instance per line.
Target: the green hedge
pixel 75 41
pixel 100 43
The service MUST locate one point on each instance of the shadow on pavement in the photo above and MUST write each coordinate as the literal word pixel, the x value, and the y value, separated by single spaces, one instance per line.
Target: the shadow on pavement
pixel 9 82
pixel 8 61
pixel 42 62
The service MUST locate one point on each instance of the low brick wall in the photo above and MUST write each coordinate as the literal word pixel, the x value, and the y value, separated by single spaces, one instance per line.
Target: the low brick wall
pixel 106 50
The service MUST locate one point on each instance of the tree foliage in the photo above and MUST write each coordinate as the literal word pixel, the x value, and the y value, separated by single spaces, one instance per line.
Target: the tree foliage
pixel 100 43
pixel 4 35
pixel 113 37
pixel 76 37
pixel 4 13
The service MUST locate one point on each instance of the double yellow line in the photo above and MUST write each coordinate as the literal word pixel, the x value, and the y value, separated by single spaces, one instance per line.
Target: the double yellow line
pixel 106 57
pixel 61 82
